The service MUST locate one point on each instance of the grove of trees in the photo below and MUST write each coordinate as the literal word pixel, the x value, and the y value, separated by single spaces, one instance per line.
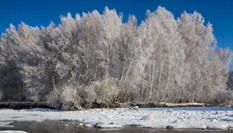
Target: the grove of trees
pixel 97 58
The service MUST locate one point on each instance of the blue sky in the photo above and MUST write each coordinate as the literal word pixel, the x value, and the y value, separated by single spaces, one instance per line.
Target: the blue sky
pixel 42 12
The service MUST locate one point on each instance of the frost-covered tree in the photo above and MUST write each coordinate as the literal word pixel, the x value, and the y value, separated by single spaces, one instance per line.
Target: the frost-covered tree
pixel 230 81
pixel 96 60
pixel 201 56
pixel 10 46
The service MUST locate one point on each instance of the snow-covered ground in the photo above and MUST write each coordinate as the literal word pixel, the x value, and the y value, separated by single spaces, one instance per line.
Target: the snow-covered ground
pixel 12 131
pixel 190 117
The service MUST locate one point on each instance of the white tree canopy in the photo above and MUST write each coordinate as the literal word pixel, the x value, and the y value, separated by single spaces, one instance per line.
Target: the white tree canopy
pixel 96 59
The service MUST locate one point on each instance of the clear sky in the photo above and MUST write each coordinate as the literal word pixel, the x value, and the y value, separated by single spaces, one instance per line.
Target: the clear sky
pixel 42 12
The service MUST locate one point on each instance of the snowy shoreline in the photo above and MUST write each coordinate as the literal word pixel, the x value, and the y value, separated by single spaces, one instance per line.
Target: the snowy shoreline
pixel 183 117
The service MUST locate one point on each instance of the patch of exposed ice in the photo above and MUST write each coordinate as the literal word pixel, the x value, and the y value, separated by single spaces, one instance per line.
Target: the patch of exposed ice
pixel 5 124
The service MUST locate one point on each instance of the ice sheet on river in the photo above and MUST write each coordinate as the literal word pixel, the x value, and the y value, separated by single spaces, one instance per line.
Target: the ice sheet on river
pixel 190 117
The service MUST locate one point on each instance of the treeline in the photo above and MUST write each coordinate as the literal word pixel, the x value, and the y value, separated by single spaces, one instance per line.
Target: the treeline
pixel 97 59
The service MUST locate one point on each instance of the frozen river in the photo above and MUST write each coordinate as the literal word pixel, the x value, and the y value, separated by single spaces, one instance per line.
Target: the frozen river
pixel 122 119
pixel 70 127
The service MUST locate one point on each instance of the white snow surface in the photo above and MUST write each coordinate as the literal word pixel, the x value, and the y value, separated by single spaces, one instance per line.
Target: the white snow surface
pixel 189 117
pixel 12 131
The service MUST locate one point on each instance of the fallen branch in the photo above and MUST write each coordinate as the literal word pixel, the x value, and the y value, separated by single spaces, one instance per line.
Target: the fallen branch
pixel 164 105
pixel 185 104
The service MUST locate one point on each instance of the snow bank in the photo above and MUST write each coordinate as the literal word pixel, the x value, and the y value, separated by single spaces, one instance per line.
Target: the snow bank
pixel 189 117
pixel 109 125
pixel 12 131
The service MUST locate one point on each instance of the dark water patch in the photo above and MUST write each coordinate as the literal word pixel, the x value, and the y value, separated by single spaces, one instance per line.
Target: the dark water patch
pixel 71 127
